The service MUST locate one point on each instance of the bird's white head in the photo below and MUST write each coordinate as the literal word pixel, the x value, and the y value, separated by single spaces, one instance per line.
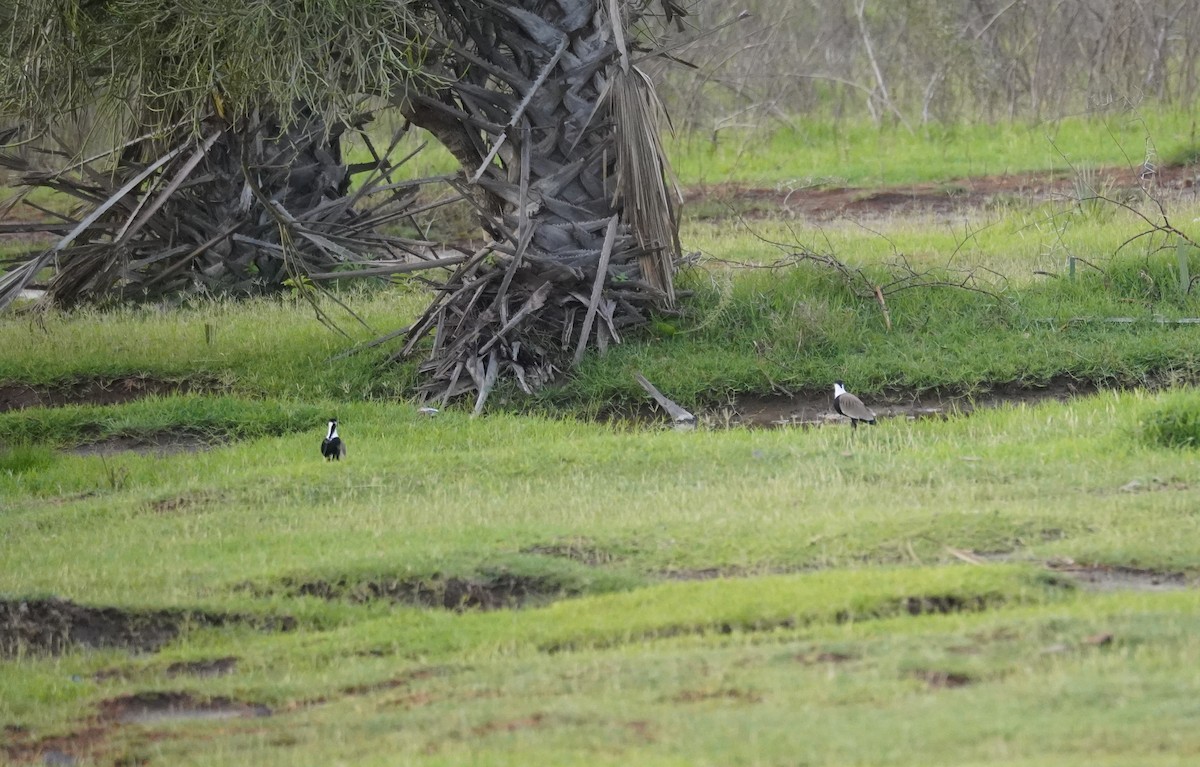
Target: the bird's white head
pixel 838 389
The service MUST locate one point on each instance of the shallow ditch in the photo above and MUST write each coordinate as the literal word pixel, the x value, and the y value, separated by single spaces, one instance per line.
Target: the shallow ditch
pixel 811 408
pixel 172 706
pixel 96 391
pixel 1105 578
pixel 163 443
pixel 499 592
pixel 53 626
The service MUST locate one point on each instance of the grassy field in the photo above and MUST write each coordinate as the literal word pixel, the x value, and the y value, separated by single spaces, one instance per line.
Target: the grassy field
pixel 842 602
pixel 817 152
pixel 537 586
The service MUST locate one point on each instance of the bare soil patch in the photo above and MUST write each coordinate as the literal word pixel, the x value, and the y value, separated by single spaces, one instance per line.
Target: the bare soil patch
pixel 579 550
pixel 158 707
pixel 943 680
pixel 824 203
pixel 1108 578
pixel 810 407
pixel 533 722
pixel 52 626
pixel 163 443
pixel 826 657
pixel 943 604
pixel 813 408
pixel 93 391
pixel 179 503
pixel 729 694
pixel 84 746
pixel 204 668
pixel 498 592
pixel 402 681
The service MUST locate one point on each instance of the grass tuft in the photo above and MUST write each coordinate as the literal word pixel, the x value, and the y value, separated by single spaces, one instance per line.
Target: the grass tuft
pixel 24 457
pixel 1174 421
pixel 217 418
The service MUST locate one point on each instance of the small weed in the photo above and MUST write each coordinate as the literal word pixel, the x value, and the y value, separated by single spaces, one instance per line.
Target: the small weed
pixel 115 475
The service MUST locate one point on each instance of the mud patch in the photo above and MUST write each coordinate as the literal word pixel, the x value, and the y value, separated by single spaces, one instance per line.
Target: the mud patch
pixel 579 550
pixel 816 408
pixel 160 444
pixel 728 694
pixel 943 680
pixel 824 658
pixel 53 626
pixel 83 746
pixel 1103 578
pixel 713 573
pixel 95 391
pixel 180 503
pixel 204 668
pixel 825 203
pixel 499 592
pixel 533 722
pixel 159 707
pixel 944 605
pixel 404 680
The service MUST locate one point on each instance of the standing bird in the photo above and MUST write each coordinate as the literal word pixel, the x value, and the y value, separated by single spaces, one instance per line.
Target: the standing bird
pixel 850 406
pixel 332 446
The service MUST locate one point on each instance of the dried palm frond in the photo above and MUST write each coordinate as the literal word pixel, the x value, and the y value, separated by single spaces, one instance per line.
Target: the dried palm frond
pixel 645 184
pixel 236 211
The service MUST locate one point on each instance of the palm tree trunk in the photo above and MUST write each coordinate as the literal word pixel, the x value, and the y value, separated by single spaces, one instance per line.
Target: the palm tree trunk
pixel 558 138
pixel 242 209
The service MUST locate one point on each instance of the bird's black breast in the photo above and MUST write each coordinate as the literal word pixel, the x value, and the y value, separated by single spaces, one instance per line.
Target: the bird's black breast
pixel 332 448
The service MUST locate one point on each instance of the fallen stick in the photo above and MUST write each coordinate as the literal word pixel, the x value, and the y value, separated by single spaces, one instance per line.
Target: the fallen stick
pixel 679 415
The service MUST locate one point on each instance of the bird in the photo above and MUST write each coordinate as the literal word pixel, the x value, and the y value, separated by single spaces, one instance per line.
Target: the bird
pixel 850 406
pixel 332 446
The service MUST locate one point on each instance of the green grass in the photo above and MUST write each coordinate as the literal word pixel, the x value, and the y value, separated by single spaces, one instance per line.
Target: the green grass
pixel 218 344
pixel 822 152
pixel 829 540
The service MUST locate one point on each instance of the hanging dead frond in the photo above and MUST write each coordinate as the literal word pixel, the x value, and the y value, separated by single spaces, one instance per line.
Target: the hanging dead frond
pixel 646 188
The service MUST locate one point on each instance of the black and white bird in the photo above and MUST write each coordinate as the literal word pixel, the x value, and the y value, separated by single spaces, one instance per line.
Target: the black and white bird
pixel 850 406
pixel 332 446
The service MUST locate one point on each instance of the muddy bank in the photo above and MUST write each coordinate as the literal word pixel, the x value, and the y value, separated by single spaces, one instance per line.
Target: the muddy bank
pixel 94 391
pixel 815 408
pixel 825 202
pixel 51 626
pixel 500 592
pixel 164 443
pixel 158 707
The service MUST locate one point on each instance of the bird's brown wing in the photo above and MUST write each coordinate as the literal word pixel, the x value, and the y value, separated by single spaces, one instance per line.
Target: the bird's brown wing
pixel 853 407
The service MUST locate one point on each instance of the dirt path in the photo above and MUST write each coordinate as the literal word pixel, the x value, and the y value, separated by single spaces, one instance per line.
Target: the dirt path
pixel 943 197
